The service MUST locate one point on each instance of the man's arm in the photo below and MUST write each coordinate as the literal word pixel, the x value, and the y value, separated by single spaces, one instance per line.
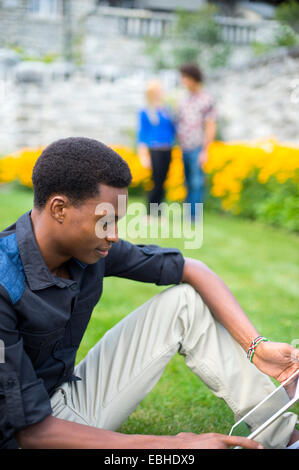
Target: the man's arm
pixel 279 360
pixel 144 155
pixel 24 398
pixel 142 139
pixel 55 433
pixel 209 137
pixel 210 132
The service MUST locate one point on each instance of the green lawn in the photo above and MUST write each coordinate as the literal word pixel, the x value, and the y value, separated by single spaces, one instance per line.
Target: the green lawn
pixel 259 264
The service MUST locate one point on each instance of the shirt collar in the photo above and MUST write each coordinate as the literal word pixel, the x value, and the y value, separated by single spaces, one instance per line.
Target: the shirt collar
pixel 37 272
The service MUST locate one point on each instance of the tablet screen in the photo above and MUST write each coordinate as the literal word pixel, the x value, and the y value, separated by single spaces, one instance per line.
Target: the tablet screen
pixel 281 399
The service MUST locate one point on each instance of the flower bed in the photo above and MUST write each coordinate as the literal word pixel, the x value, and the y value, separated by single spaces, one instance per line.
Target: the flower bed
pixel 259 180
pixel 19 165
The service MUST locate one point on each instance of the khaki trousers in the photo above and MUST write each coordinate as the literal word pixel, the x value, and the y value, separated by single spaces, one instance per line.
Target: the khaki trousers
pixel 122 368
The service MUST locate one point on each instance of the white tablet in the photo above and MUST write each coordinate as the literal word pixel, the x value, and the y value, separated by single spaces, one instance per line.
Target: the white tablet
pixel 269 409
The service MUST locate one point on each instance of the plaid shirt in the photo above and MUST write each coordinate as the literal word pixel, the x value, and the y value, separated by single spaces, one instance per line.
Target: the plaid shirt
pixel 193 111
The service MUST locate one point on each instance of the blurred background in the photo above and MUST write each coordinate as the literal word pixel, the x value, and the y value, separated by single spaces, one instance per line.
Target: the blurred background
pixel 80 68
pixel 73 67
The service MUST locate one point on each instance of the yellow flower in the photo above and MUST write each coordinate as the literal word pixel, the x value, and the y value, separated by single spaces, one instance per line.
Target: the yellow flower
pixel 231 163
pixel 174 183
pixel 8 169
pixel 20 165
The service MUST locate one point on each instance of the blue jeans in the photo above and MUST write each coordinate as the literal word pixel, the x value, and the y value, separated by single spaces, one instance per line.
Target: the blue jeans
pixel 195 178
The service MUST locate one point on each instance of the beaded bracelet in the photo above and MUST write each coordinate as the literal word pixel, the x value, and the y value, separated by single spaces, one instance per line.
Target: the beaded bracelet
pixel 253 346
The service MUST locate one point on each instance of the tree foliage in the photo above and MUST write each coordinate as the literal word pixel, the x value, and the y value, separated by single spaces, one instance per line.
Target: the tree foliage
pixel 288 14
pixel 194 37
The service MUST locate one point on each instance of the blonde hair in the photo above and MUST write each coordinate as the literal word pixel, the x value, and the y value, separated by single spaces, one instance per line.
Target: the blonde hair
pixel 153 88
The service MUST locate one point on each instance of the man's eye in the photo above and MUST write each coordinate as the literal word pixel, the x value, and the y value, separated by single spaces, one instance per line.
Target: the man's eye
pixel 108 223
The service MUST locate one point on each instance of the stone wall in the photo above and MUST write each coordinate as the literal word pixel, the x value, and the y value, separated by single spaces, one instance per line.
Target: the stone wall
pixel 260 98
pixel 37 113
pixel 38 35
pixel 35 35
pixel 40 103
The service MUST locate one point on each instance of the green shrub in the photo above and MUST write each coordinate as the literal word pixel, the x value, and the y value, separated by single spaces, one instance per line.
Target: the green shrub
pixel 272 202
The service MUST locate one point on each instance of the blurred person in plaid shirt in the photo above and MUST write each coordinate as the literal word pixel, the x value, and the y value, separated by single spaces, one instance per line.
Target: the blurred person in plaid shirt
pixel 196 129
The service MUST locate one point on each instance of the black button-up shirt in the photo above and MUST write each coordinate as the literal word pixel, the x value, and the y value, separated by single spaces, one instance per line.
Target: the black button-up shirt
pixel 43 317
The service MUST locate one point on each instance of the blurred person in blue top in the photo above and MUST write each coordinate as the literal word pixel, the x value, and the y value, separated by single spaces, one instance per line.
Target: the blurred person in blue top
pixel 156 136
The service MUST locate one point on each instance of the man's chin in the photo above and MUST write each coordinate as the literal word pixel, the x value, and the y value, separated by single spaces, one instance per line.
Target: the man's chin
pixel 93 257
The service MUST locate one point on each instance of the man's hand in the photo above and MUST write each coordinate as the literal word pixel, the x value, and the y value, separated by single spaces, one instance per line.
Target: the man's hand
pixel 202 157
pixel 188 440
pixel 144 156
pixel 279 360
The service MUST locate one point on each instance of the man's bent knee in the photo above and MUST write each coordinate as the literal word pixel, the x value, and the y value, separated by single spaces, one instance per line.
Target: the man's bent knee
pixel 187 294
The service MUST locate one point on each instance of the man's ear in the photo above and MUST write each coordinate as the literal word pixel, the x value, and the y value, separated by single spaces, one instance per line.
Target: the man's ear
pixel 57 206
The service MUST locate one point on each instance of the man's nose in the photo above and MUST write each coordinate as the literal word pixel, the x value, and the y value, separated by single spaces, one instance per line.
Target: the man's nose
pixel 112 236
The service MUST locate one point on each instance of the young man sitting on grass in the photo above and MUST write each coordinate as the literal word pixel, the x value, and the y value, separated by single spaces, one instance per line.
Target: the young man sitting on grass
pixel 51 277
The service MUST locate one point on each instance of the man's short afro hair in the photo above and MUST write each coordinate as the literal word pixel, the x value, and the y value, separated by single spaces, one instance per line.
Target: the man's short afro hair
pixel 74 167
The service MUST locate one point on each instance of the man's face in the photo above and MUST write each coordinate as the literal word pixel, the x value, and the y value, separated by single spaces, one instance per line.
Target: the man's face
pixel 79 235
pixel 188 82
